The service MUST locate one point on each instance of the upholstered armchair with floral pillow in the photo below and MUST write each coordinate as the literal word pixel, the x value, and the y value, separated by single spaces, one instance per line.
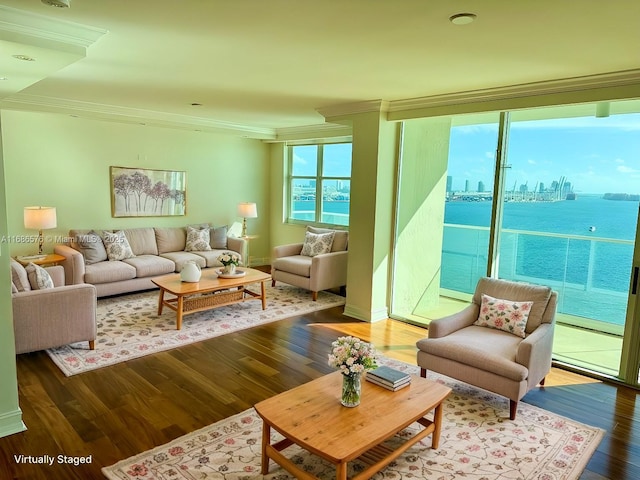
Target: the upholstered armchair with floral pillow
pixel 319 263
pixel 502 342
pixel 46 313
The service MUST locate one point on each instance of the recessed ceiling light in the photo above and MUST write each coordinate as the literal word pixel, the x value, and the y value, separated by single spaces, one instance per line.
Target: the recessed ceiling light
pixel 3 78
pixel 57 3
pixel 462 18
pixel 26 58
pixel 196 104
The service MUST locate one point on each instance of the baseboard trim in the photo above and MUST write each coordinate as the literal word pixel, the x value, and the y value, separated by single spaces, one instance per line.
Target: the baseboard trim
pixel 11 422
pixel 366 315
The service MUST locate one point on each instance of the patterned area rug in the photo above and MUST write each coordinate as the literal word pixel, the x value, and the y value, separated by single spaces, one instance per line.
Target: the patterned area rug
pixel 129 326
pixel 478 441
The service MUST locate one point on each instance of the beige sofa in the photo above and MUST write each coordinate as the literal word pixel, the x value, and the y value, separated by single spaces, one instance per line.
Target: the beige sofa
pixel 155 251
pixel 52 317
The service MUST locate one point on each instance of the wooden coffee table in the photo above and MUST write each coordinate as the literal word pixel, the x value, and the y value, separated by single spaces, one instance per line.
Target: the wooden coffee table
pixel 210 292
pixel 312 417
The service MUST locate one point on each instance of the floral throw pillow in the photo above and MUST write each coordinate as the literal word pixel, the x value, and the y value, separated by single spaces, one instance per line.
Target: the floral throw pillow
pixel 505 315
pixel 197 240
pixel 317 243
pixel 117 246
pixel 39 278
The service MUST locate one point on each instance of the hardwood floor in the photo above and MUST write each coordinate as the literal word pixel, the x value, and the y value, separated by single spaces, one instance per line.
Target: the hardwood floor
pixel 119 411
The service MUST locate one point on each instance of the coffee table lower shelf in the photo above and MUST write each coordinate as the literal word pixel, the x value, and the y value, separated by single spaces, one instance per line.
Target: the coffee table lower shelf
pixel 376 457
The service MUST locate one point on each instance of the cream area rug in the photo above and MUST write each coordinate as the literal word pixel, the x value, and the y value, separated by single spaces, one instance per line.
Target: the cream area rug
pixel 478 442
pixel 129 326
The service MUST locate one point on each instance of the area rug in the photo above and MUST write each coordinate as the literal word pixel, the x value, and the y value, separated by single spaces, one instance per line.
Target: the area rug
pixel 129 326
pixel 478 441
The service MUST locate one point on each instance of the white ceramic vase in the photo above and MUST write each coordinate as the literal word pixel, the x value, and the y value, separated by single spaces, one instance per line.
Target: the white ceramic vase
pixel 190 272
pixel 229 269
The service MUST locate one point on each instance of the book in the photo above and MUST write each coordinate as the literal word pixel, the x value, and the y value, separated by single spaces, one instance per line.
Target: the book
pixel 389 375
pixel 388 386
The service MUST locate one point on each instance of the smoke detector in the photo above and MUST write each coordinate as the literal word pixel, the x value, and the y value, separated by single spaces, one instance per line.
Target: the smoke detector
pixel 57 3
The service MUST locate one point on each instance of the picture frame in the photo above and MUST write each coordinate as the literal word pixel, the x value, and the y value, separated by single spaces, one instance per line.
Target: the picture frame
pixel 143 192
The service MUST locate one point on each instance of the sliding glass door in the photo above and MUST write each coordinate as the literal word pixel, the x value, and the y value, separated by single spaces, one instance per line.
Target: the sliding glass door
pixel 568 214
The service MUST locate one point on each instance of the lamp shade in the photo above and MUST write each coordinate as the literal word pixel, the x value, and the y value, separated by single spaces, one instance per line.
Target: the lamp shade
pixel 247 210
pixel 40 218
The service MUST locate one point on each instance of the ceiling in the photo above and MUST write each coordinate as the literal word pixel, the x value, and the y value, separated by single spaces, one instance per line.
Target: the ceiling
pixel 257 66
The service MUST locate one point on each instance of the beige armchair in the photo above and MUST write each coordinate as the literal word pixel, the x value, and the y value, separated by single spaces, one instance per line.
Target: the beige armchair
pixel 53 317
pixel 493 359
pixel 316 273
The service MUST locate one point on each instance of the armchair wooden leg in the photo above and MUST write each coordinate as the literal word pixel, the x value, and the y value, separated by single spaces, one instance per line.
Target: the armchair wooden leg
pixel 513 409
pixel 273 282
pixel 542 381
pixel 423 372
pixel 314 296
pixel 92 344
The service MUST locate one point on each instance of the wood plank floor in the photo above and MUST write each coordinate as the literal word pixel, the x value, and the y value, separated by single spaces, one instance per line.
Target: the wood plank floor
pixel 118 411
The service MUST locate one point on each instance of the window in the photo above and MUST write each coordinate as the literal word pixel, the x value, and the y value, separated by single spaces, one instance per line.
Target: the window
pixel 319 183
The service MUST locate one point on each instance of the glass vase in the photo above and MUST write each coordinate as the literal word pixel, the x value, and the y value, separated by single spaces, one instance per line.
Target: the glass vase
pixel 351 389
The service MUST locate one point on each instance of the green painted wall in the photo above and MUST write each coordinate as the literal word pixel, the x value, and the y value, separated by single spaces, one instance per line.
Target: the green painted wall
pixel 418 249
pixel 62 161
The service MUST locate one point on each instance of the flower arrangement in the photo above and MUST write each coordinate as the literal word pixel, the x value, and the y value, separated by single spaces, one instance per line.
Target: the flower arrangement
pixel 229 258
pixel 352 355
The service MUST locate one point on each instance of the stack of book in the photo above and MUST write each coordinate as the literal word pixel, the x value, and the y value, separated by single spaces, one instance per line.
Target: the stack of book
pixel 389 378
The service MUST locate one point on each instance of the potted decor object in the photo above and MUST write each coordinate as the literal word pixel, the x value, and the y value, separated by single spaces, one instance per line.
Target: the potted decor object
pixel 353 357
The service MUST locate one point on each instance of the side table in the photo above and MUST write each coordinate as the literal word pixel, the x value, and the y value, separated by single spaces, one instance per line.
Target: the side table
pixel 48 259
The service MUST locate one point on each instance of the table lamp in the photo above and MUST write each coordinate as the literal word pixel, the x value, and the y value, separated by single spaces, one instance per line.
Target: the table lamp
pixel 246 210
pixel 40 218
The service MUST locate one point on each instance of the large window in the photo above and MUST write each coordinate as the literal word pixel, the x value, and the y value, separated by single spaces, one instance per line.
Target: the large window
pixel 319 183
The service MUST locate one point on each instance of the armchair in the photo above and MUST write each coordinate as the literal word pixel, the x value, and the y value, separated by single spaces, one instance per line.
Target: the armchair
pixel 53 317
pixel 314 272
pixel 490 358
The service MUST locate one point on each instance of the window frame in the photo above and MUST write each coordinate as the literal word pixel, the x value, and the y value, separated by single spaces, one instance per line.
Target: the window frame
pixel 319 178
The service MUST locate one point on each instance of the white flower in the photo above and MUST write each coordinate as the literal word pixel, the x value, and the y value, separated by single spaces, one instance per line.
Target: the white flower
pixel 352 355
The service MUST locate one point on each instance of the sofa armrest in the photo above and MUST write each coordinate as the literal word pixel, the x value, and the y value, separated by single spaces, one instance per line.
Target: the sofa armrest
pixel 449 324
pixel 73 264
pixel 534 352
pixel 238 245
pixel 328 270
pixel 53 317
pixel 287 250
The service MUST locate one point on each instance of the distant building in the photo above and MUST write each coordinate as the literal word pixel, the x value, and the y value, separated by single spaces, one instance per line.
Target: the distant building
pixel 466 185
pixel 449 183
pixel 480 186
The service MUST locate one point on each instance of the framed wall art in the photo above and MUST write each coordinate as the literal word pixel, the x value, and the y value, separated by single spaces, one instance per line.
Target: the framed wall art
pixel 141 192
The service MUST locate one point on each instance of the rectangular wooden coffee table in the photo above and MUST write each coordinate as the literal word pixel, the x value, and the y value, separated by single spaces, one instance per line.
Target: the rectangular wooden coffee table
pixel 210 292
pixel 312 417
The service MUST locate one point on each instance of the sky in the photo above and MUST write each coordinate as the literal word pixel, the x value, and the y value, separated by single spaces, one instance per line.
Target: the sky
pixel 336 160
pixel 597 155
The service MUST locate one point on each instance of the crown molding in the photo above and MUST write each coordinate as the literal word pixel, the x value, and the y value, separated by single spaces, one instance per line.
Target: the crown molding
pixel 316 133
pixel 368 106
pixel 18 25
pixel 131 115
pixel 605 80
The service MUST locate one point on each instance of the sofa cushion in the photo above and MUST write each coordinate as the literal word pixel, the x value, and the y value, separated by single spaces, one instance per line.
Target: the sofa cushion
pixel 91 247
pixel 171 239
pixel 219 237
pixel 181 258
pixel 14 289
pixel 150 265
pixel 19 277
pixel 340 240
pixel 505 315
pixel 117 245
pixel 142 241
pixel 317 243
pixel 39 278
pixel 211 257
pixel 105 272
pixel 197 240
pixel 518 292
pixel 297 264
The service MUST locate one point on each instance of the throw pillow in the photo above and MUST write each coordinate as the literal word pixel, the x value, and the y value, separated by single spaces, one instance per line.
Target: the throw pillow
pixel 219 238
pixel 91 247
pixel 39 278
pixel 317 243
pixel 19 277
pixel 197 240
pixel 117 246
pixel 505 315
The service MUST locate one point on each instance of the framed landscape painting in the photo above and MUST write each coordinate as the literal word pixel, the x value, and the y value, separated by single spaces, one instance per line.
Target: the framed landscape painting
pixel 140 192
